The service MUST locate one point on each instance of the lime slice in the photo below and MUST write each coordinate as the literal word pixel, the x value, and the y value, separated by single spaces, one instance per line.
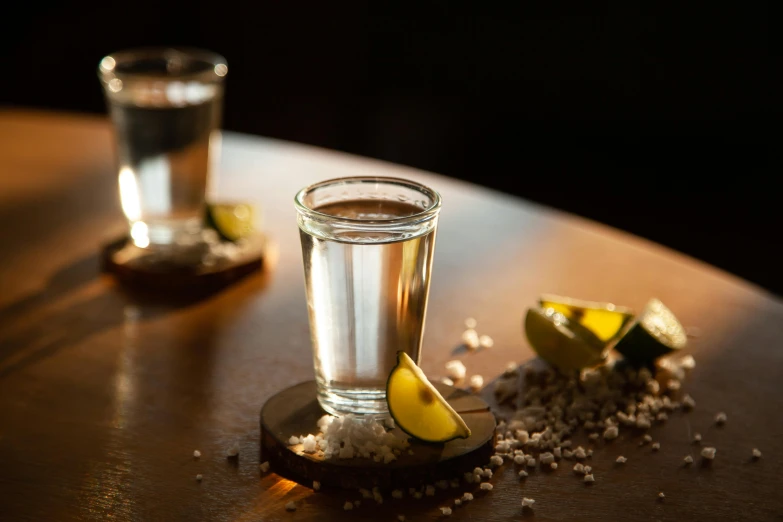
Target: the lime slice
pixel 655 332
pixel 605 320
pixel 233 221
pixel 418 408
pixel 566 345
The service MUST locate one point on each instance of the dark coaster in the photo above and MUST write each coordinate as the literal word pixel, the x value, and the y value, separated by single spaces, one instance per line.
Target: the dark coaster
pixel 295 411
pixel 199 270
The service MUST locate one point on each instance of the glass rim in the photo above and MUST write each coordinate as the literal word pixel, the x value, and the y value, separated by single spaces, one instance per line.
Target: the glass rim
pixel 107 66
pixel 424 215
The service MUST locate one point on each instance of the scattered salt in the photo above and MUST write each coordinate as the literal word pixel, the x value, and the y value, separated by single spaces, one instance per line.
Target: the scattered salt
pixel 688 402
pixel 264 467
pixel 647 438
pixel 611 432
pixel 417 495
pixel 458 502
pixel 557 452
pixel 442 484
pixel 528 502
pixel 429 490
pixel 579 468
pixel 476 382
pixel 316 485
pixel 199 477
pixel 309 444
pixel 397 493
pixel 580 453
pixel 291 506
pixel 546 458
pixel 531 462
pixel 197 454
pixel 588 470
pixel 511 369
pixel 756 453
pixel 709 453
pixel 697 437
pixel 487 473
pixel 496 460
pixel 688 362
pixel 348 506
pixel 720 419
pixel 656 446
pixel 519 459
pixel 589 479
pixel 553 465
pixel 233 451
pixel 467 497
pixel 621 460
pixel 593 436
pixel 446 511
pixel 365 493
pixel 688 459
pixel 661 495
pixel 293 441
pixel 486 486
pixel 471 323
pixel 456 370
pixel 522 474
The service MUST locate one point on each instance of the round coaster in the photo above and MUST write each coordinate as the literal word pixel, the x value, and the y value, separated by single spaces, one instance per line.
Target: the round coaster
pixel 196 271
pixel 295 411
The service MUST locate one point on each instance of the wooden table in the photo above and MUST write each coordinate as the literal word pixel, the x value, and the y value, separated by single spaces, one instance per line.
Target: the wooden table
pixel 103 399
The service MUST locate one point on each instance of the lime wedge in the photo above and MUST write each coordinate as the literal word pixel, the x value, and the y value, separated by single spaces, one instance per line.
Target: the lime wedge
pixel 566 345
pixel 232 221
pixel 418 408
pixel 605 320
pixel 656 332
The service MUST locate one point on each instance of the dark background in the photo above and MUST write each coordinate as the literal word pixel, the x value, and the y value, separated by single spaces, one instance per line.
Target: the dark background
pixel 652 119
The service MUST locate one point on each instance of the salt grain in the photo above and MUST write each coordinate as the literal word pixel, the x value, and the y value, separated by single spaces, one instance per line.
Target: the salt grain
pixel 454 483
pixel 467 497
pixel 621 460
pixel 709 453
pixel 553 465
pixel 697 437
pixel 531 462
pixel 579 468
pixel 417 495
pixel 756 453
pixel 316 485
pixel 580 453
pixel 656 446
pixel 688 459
pixel 264 467
pixel 446 511
pixel 546 458
pixel 397 493
pixel 589 479
pixel 470 323
pixel 495 460
pixel 348 506
pixel 401 518
pixel 470 339
pixel 447 381
pixel 456 370
pixel 522 474
pixel 476 382
pixel 486 341
pixel 557 452
pixel 588 470
pixel 233 451
pixel 528 502
pixel 688 402
pixel 688 362
pixel 720 419
pixel 647 438
pixel 293 441
pixel 486 486
pixel 199 477
pixel 197 454
pixel 661 495
pixel 429 490
pixel 291 506
pixel 511 369
pixel 519 459
pixel 365 493
pixel 593 436
pixel 611 432
pixel 487 473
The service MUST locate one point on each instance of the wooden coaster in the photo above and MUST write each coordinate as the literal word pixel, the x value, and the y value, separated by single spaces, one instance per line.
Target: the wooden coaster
pixel 295 411
pixel 138 268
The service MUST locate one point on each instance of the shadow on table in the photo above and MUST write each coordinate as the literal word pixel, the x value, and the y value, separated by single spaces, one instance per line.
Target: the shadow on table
pixel 41 324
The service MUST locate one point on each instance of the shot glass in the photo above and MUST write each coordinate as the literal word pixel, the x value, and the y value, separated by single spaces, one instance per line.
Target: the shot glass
pixel 165 107
pixel 367 246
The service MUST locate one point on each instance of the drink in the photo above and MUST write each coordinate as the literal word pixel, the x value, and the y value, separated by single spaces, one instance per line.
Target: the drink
pixel 367 289
pixel 166 108
pixel 164 164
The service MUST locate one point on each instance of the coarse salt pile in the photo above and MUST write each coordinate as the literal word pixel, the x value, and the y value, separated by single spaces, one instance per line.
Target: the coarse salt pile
pixel 352 436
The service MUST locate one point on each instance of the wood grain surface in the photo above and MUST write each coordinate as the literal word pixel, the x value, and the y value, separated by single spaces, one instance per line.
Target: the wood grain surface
pixel 104 397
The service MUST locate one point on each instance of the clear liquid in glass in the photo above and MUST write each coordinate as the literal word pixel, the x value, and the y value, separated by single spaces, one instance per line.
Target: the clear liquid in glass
pixel 367 300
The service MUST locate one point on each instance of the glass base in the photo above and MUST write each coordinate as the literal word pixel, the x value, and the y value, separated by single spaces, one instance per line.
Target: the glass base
pixel 354 401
